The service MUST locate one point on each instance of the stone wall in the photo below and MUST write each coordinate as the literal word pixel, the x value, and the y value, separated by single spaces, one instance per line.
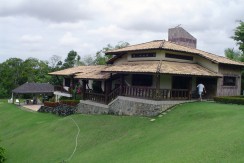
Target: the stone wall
pixel 127 106
pixel 89 107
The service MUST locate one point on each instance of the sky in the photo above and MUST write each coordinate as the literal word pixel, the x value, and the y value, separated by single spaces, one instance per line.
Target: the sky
pixel 43 28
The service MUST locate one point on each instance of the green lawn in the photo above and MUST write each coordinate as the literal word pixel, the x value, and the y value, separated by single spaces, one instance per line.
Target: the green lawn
pixel 193 132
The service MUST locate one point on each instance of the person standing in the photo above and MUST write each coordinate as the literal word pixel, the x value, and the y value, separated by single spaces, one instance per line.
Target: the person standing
pixel 201 88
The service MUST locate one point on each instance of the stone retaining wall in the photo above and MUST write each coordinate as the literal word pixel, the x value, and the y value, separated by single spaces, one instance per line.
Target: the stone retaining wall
pixel 127 106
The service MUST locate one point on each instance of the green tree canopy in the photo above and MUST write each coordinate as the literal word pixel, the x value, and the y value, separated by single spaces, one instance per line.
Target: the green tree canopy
pixel 72 60
pixel 101 58
pixel 239 36
pixel 234 54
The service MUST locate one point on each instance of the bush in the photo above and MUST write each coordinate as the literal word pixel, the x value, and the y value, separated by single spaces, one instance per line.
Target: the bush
pixel 70 102
pixel 51 104
pixel 65 98
pixel 61 110
pixel 2 155
pixel 230 100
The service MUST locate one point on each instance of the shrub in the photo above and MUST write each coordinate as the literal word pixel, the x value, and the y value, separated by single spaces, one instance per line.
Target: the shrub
pixel 70 102
pixel 64 98
pixel 51 104
pixel 61 110
pixel 2 155
pixel 230 100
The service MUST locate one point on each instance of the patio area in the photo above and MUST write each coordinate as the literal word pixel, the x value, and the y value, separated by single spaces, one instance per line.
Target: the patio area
pixel 32 107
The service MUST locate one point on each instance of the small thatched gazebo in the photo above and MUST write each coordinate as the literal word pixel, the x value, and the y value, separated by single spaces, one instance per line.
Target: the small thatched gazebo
pixel 33 88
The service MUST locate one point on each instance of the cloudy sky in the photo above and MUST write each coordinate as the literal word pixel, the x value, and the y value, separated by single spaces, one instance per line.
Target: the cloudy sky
pixel 42 28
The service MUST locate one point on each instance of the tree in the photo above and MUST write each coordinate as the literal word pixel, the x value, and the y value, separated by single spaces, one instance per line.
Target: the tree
pixel 88 60
pixel 72 60
pixel 55 62
pixel 234 54
pixel 101 58
pixel 239 36
pixel 15 72
pixel 10 72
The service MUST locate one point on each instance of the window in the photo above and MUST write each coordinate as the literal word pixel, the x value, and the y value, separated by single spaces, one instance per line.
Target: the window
pixel 142 55
pixel 176 56
pixel 142 80
pixel 229 81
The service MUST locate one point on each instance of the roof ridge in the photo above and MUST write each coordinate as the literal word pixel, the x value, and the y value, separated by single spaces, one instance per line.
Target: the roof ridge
pixel 134 45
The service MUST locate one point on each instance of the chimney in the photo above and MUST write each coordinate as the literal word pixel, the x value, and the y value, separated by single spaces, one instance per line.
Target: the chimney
pixel 182 37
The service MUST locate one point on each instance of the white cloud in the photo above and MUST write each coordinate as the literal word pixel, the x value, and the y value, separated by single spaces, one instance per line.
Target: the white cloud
pixel 47 28
pixel 31 38
pixel 55 10
pixel 68 26
pixel 68 39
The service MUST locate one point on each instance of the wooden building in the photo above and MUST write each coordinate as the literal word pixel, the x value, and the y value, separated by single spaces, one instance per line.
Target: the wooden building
pixel 157 70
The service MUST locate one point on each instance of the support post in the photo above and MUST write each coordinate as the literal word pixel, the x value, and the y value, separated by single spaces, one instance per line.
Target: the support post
pixel 190 88
pixel 13 95
pixel 157 86
pixel 107 89
pixel 122 82
pixel 83 89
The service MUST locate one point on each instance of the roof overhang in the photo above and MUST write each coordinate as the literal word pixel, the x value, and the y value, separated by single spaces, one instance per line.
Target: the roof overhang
pixel 162 67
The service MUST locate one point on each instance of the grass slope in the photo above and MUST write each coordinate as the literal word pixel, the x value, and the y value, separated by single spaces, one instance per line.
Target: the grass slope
pixel 193 132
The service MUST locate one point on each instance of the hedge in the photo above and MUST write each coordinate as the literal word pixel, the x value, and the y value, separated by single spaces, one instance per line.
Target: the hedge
pixel 230 99
pixel 51 104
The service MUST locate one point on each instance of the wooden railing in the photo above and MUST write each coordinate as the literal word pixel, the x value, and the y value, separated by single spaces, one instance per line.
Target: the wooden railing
pixel 97 97
pixel 139 92
pixel 153 93
pixel 113 94
pixel 180 94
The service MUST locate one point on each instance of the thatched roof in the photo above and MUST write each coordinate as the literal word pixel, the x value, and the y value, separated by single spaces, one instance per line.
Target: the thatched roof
pixel 84 72
pixel 102 72
pixel 68 71
pixel 93 72
pixel 34 88
pixel 162 67
pixel 166 45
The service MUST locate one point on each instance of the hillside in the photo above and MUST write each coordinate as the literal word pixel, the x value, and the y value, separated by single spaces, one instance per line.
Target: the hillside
pixel 193 132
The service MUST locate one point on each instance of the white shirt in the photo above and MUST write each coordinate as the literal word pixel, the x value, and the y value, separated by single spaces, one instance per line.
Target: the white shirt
pixel 200 87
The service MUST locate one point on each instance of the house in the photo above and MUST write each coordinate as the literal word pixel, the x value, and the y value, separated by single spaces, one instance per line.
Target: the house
pixel 160 72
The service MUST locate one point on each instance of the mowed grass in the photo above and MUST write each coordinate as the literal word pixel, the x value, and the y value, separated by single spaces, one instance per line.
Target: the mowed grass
pixel 193 132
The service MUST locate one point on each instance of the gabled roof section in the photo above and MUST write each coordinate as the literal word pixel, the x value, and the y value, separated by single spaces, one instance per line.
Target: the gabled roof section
pixel 84 72
pixel 34 88
pixel 167 45
pixel 93 72
pixel 68 71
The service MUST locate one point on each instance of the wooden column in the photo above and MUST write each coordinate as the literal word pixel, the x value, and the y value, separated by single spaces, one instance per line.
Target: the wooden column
pixel 106 90
pixel 122 82
pixel 83 89
pixel 157 86
pixel 13 98
pixel 190 88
